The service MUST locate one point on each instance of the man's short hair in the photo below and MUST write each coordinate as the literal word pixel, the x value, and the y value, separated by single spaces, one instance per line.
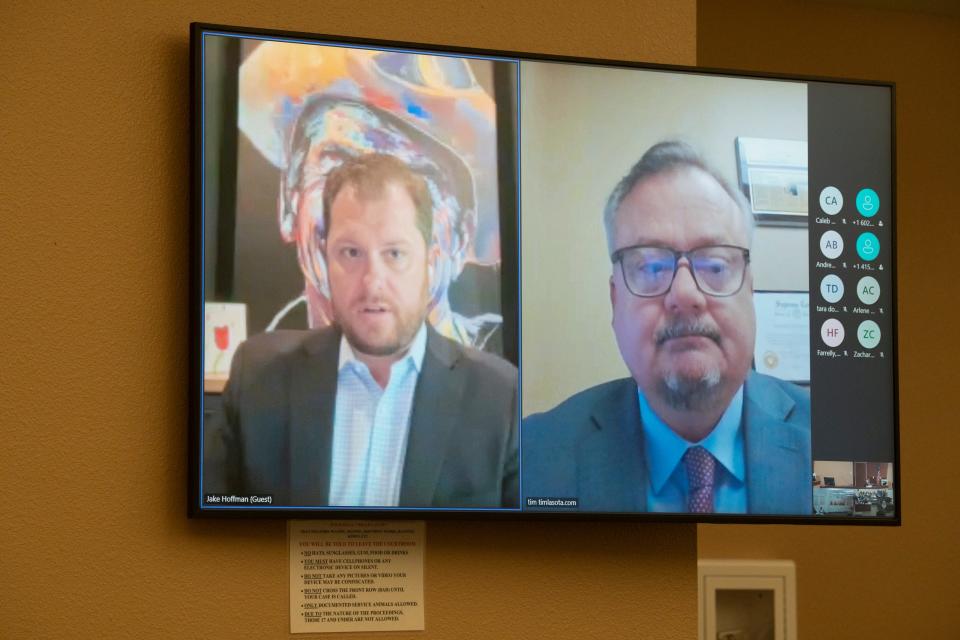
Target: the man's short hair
pixel 661 158
pixel 370 174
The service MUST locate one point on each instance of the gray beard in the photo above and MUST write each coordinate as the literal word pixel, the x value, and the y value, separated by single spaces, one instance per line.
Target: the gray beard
pixel 691 394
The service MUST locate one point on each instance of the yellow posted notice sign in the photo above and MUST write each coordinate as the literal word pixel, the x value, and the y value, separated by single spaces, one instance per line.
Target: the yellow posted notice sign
pixel 356 575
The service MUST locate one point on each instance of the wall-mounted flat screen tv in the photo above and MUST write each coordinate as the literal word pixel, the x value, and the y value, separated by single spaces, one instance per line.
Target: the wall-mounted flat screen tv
pixel 434 281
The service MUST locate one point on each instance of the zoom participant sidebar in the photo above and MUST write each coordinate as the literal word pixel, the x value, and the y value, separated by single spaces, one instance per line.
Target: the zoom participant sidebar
pixel 852 341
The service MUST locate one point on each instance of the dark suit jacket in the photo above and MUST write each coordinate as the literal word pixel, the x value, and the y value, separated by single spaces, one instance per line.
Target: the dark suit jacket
pixel 276 432
pixel 590 447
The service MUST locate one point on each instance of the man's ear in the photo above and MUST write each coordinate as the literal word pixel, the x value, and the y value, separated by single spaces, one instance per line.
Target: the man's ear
pixel 613 299
pixel 433 257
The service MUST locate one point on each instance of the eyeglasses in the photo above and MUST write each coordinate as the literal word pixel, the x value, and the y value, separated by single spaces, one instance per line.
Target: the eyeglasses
pixel 648 271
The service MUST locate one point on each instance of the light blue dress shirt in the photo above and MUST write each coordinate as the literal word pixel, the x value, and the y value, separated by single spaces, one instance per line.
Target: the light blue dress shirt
pixel 668 486
pixel 370 428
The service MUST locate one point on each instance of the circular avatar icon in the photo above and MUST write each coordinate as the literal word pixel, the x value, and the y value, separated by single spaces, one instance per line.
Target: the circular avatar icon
pixel 832 332
pixel 868 246
pixel 868 333
pixel 868 202
pixel 868 290
pixel 831 201
pixel 831 244
pixel 831 288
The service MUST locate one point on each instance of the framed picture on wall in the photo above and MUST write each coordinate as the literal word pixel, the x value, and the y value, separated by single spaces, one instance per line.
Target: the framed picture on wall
pixel 773 177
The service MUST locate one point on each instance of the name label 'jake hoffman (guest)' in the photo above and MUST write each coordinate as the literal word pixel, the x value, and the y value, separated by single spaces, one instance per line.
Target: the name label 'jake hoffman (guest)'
pixel 214 498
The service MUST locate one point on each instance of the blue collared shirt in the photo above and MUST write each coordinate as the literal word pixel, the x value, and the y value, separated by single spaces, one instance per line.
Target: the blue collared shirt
pixel 667 486
pixel 370 428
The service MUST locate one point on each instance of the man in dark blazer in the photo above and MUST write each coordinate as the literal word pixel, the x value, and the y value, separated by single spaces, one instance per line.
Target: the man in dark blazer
pixel 277 432
pixel 377 410
pixel 693 429
pixel 591 447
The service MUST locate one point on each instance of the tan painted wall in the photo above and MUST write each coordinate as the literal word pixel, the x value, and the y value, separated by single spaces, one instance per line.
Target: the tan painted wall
pixel 841 472
pixel 884 583
pixel 94 542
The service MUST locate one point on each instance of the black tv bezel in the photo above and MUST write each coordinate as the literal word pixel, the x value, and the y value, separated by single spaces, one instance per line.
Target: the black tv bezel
pixel 195 301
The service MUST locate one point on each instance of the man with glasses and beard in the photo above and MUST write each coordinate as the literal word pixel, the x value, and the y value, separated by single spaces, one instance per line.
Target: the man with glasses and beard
pixel 378 409
pixel 694 429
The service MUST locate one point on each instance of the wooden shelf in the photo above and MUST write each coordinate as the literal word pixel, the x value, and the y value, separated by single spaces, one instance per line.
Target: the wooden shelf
pixel 214 384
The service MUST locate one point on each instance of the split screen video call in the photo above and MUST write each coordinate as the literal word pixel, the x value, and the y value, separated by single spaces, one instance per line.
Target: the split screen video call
pixel 432 282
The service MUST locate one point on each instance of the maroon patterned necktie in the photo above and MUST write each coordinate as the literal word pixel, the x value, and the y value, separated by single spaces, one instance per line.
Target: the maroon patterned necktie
pixel 700 465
